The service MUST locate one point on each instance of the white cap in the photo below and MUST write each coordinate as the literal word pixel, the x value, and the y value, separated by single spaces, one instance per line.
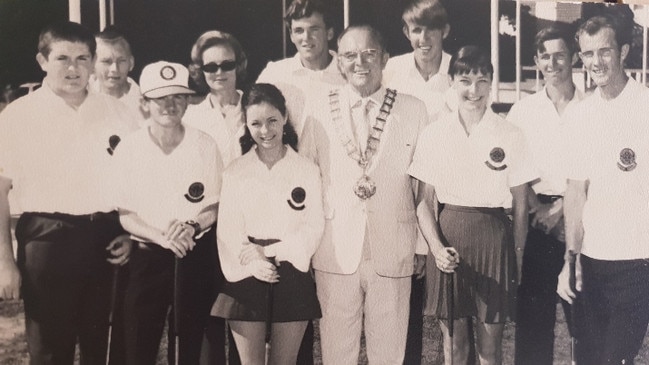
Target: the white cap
pixel 163 78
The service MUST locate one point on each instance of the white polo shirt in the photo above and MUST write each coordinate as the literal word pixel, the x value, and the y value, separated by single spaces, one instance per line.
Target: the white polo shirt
pixel 608 144
pixel 298 83
pixel 159 187
pixel 402 75
pixel 131 98
pixel 284 203
pixel 476 170
pixel 542 126
pixel 59 157
pixel 224 125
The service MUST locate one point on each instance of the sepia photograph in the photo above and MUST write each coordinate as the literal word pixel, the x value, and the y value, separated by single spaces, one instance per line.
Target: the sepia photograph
pixel 337 182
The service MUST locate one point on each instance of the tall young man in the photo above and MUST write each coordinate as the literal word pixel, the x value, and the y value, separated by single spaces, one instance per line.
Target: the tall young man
pixel 56 147
pixel 539 117
pixel 313 69
pixel 423 72
pixel 606 204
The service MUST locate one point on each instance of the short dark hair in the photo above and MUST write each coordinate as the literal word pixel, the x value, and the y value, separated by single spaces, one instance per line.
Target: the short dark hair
pixel 623 34
pixel 299 9
pixel 111 35
pixel 429 13
pixel 470 59
pixel 65 31
pixel 266 93
pixel 213 38
pixel 374 33
pixel 551 33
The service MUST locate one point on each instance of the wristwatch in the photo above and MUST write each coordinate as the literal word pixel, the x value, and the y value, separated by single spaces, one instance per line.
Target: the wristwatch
pixel 195 225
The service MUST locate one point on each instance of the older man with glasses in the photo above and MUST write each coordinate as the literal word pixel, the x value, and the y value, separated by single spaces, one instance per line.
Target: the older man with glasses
pixel 363 136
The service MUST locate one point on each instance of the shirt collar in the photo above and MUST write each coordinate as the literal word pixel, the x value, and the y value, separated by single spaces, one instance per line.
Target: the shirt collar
pixel 208 103
pixel 443 67
pixel 487 122
pixel 631 87
pixel 52 97
pixel 297 65
pixel 355 97
pixel 576 97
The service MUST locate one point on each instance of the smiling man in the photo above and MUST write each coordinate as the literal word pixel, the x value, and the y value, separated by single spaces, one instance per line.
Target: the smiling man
pixel 539 117
pixel 423 73
pixel 56 147
pixel 363 136
pixel 113 63
pixel 606 204
pixel 313 68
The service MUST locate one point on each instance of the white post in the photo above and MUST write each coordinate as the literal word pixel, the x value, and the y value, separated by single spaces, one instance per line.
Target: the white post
pixel 283 27
pixel 644 44
pixel 75 10
pixel 346 13
pixel 518 50
pixel 102 15
pixel 495 19
pixel 112 12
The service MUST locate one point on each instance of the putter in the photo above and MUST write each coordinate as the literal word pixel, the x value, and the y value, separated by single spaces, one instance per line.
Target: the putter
pixel 450 307
pixel 572 258
pixel 176 309
pixel 269 299
pixel 269 321
pixel 111 314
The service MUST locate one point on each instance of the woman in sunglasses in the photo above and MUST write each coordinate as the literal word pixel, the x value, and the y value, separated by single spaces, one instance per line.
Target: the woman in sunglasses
pixel 218 66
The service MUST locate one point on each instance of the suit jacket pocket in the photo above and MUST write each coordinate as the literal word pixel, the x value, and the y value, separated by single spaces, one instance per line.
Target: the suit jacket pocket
pixel 407 216
pixel 32 227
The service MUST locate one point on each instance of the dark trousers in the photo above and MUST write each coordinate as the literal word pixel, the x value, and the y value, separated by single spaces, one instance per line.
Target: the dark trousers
pixel 613 310
pixel 66 284
pixel 150 294
pixel 415 323
pixel 537 299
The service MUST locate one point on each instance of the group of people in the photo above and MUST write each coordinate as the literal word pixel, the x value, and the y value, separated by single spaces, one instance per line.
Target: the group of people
pixel 350 186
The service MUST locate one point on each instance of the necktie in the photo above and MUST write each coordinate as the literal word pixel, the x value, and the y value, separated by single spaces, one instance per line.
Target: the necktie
pixel 362 123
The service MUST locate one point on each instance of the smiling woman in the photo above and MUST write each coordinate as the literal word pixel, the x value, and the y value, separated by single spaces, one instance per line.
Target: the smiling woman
pixel 270 224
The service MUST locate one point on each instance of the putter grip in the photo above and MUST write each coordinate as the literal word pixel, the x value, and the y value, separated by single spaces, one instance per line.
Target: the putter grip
pixel 572 258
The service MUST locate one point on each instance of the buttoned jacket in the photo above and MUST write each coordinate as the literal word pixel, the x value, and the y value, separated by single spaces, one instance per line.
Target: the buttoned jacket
pixel 389 216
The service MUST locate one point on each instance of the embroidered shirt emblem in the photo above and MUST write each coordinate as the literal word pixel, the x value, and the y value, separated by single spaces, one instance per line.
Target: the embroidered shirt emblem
pixel 497 155
pixel 296 202
pixel 196 192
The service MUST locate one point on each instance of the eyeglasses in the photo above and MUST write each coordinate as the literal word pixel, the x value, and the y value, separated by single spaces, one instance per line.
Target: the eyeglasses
pixel 213 67
pixel 367 55
pixel 602 52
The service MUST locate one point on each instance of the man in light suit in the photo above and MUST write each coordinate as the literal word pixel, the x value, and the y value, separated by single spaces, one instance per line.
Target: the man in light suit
pixel 363 136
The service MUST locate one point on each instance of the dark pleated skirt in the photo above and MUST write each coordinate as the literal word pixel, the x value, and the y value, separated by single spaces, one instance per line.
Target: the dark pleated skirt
pixel 294 298
pixel 485 281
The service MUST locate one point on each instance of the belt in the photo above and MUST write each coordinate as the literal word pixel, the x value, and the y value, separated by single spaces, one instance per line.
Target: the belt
pixel 73 218
pixel 547 199
pixel 462 208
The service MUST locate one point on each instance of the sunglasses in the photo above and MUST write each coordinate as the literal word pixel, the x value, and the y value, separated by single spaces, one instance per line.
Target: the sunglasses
pixel 214 67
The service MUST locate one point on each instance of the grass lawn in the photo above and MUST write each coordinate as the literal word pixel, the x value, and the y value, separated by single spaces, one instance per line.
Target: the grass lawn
pixel 13 346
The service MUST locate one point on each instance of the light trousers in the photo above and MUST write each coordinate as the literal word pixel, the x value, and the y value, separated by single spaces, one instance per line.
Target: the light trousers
pixel 347 300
